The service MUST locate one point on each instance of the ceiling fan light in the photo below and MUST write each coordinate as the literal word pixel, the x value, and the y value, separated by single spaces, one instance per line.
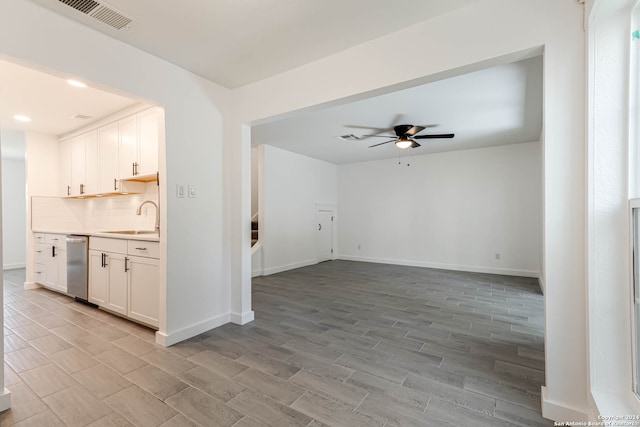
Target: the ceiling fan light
pixel 403 143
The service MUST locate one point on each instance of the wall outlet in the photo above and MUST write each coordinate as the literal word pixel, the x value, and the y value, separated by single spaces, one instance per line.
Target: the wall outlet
pixel 497 255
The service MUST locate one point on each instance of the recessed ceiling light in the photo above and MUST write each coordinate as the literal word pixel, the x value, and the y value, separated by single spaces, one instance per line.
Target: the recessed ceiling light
pixel 76 83
pixel 22 118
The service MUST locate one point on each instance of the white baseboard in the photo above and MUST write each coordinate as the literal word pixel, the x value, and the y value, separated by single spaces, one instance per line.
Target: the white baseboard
pixel 541 283
pixel 5 400
pixel 31 285
pixel 281 268
pixel 557 411
pixel 469 268
pixel 242 319
pixel 13 266
pixel 190 331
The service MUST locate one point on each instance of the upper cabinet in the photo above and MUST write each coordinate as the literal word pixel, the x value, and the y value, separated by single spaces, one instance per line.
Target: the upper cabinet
pixel 150 127
pixel 128 146
pixel 65 167
pixel 108 175
pixel 139 138
pixel 105 161
pixel 79 165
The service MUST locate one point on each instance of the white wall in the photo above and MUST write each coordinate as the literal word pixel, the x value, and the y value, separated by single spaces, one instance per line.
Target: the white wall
pixel 451 210
pixel 196 276
pixel 14 214
pixel 14 199
pixel 293 185
pixel 482 34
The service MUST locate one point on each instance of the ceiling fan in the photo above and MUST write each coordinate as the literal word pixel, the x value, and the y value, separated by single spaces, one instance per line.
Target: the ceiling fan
pixel 406 135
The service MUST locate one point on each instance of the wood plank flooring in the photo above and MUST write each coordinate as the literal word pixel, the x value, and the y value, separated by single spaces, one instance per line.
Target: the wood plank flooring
pixel 339 343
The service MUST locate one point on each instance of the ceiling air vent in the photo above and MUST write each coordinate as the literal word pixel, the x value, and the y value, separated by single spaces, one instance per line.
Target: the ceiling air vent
pixel 100 11
pixel 80 116
pixel 349 137
pixel 84 6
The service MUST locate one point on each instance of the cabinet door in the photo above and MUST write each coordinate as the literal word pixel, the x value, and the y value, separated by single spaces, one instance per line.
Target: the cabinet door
pixel 128 130
pixel 51 266
pixel 91 162
pixel 65 168
pixel 149 123
pixel 61 261
pixel 98 278
pixel 117 289
pixel 143 289
pixel 77 165
pixel 108 159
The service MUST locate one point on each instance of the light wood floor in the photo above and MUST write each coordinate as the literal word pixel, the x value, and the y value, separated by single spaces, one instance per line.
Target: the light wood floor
pixel 340 343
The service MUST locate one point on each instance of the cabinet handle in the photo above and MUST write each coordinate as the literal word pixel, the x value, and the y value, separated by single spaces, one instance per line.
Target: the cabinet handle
pixel 141 249
pixel 68 190
pixel 81 188
pixel 136 169
pixel 126 264
pixel 158 179
pixel 115 184
pixel 53 251
pixel 133 169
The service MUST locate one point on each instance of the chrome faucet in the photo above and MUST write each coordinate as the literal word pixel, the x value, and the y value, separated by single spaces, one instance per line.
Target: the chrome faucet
pixel 139 212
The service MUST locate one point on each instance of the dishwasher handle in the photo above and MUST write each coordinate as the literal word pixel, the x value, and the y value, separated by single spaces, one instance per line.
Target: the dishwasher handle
pixel 76 239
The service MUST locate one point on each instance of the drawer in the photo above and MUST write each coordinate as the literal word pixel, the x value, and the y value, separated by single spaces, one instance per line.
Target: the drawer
pixel 38 237
pixel 38 273
pixel 41 253
pixel 108 245
pixel 55 239
pixel 144 248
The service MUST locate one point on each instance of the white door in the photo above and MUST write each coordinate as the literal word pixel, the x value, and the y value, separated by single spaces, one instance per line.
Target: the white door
pixel 325 234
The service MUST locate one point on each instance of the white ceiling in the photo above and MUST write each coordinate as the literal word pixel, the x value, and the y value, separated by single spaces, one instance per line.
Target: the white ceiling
pixel 50 101
pixel 495 106
pixel 235 42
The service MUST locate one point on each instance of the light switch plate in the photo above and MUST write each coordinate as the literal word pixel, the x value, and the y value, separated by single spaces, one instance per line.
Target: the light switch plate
pixel 179 190
pixel 192 190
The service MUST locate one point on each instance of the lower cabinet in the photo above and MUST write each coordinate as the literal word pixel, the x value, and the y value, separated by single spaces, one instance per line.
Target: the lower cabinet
pixel 51 261
pixel 124 283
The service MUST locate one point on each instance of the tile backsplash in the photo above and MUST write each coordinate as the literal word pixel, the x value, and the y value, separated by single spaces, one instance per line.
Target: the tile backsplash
pixel 95 214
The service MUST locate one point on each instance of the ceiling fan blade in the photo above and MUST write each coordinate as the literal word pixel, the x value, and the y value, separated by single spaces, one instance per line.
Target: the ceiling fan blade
pixel 386 142
pixel 414 144
pixel 435 136
pixel 378 136
pixel 414 130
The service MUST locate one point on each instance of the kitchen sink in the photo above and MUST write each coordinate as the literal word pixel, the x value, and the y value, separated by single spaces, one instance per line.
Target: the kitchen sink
pixel 134 232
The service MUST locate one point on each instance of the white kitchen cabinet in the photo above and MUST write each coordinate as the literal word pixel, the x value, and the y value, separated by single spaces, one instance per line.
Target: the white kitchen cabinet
pixel 123 281
pixel 108 281
pixel 65 168
pixel 128 146
pixel 108 172
pixel 50 256
pixel 150 125
pixel 139 140
pixel 84 164
pixel 91 163
pixel 77 165
pixel 143 289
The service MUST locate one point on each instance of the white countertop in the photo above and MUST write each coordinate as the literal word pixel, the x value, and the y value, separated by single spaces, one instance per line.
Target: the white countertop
pixel 155 237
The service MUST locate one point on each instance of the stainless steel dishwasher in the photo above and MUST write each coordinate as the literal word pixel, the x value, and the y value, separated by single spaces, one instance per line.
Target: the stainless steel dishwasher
pixel 77 272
